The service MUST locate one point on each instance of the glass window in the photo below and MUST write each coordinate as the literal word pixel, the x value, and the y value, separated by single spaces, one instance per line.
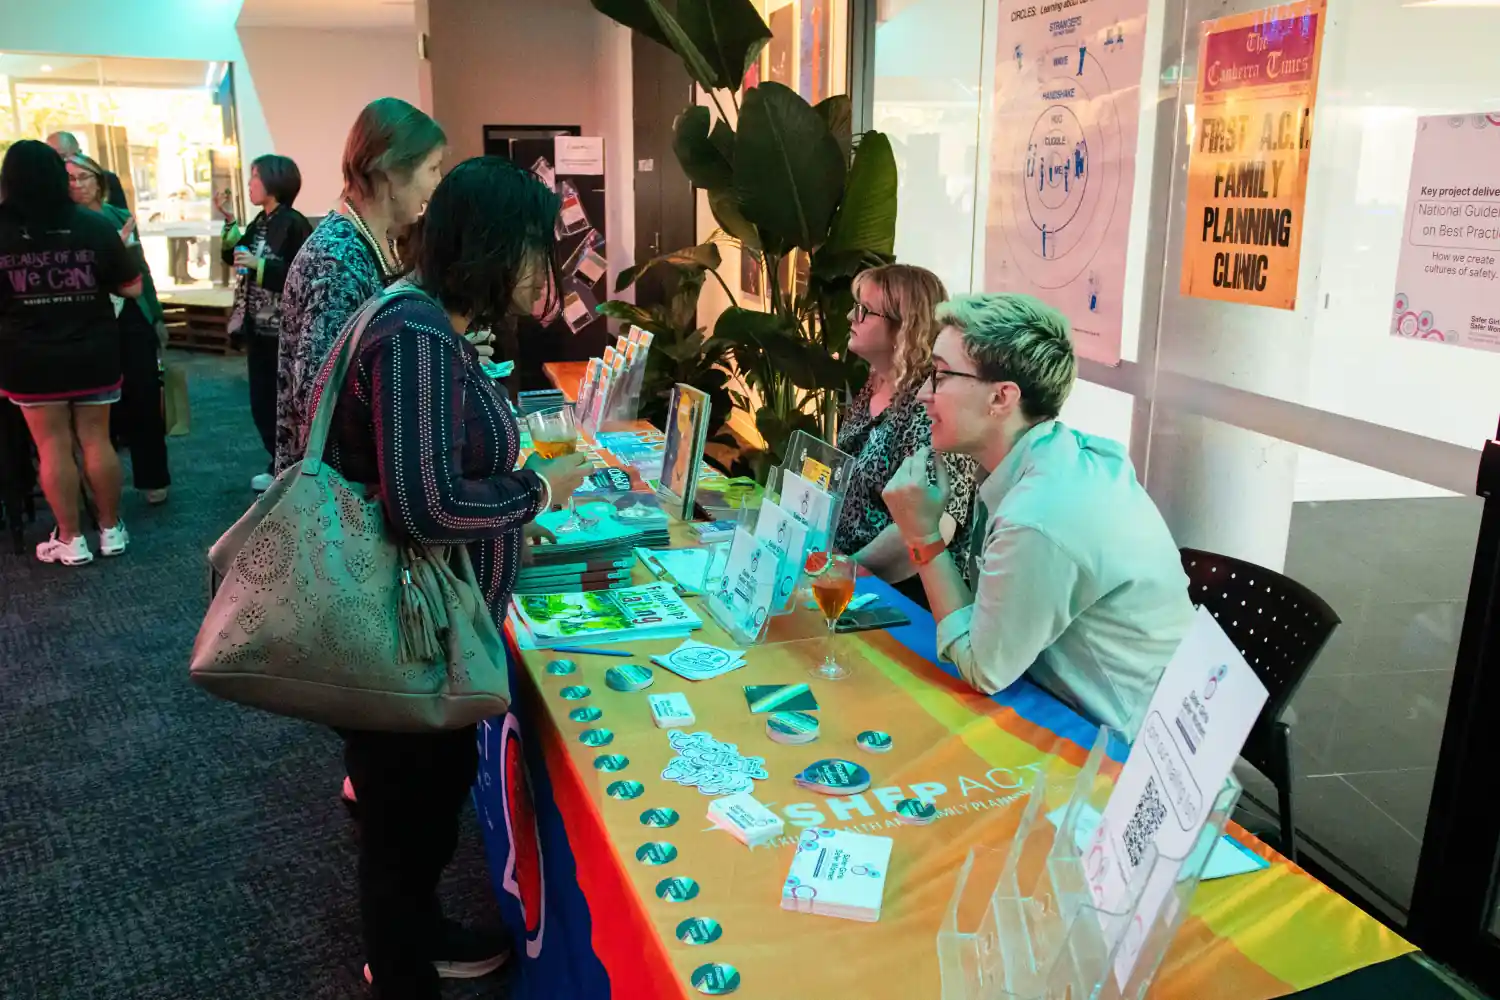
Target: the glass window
pixel 163 126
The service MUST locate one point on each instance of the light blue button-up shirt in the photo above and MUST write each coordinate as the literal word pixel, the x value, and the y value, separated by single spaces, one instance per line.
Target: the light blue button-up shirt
pixel 1078 582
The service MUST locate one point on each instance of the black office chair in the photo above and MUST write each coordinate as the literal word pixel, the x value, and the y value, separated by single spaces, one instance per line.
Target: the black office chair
pixel 1280 627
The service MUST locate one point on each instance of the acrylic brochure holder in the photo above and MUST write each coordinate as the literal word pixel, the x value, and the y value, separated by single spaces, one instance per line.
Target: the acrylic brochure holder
pixel 730 600
pixel 1022 923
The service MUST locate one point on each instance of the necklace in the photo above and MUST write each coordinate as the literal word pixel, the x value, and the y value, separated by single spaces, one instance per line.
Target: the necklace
pixel 386 266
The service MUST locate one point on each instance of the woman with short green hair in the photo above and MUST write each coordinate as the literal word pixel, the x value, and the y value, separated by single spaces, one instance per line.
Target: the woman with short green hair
pixel 1070 574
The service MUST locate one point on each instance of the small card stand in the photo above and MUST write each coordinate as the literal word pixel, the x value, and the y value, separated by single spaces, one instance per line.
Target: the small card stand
pixel 825 467
pixel 723 596
pixel 1022 924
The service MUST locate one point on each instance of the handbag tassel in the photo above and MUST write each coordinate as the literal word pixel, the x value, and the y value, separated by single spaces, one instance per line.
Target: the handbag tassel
pixel 423 613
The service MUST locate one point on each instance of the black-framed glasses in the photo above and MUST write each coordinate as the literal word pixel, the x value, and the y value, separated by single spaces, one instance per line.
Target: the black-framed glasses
pixel 862 312
pixel 936 375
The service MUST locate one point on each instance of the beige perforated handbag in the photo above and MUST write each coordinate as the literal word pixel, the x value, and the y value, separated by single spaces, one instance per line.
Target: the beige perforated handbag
pixel 321 613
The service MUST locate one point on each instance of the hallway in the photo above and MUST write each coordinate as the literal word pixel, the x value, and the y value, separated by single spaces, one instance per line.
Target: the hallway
pixel 157 844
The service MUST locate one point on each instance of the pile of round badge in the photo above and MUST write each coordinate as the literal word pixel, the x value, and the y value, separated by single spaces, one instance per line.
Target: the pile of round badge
pixel 630 677
pixel 917 812
pixel 792 728
pixel 559 668
pixel 834 777
pixel 874 741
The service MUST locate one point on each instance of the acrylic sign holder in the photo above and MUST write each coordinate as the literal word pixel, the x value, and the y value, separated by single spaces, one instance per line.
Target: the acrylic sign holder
pixel 1022 924
pixel 827 467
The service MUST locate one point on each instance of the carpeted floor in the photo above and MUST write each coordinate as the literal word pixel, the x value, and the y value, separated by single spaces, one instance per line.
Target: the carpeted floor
pixel 156 844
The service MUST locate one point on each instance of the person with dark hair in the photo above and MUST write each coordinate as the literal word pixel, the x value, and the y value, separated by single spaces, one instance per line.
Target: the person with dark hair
pixel 392 162
pixel 138 420
pixel 59 342
pixel 66 145
pixel 419 421
pixel 261 255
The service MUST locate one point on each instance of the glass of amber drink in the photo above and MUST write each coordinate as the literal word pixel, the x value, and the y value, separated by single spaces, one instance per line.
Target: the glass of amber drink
pixel 553 435
pixel 833 588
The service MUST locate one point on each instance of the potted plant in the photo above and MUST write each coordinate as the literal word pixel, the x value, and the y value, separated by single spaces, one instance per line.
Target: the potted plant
pixel 785 176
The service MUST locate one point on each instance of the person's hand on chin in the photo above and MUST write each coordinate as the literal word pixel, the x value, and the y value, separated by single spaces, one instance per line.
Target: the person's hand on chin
pixel 916 505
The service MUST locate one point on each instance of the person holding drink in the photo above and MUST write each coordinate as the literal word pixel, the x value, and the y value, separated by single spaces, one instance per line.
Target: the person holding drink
pixel 261 254
pixel 420 421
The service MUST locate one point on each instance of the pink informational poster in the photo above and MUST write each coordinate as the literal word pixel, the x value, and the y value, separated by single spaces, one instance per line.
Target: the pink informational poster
pixel 1447 290
pixel 1062 161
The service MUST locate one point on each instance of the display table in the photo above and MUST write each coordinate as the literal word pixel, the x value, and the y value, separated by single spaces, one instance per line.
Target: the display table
pixel 586 912
pixel 566 376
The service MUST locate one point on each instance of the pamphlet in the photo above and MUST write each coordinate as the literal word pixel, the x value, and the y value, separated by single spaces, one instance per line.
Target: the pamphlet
pixel 648 612
pixel 788 537
pixel 810 504
pixel 748 587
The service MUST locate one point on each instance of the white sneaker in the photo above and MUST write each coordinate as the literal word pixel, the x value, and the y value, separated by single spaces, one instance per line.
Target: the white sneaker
pixel 55 550
pixel 262 482
pixel 113 541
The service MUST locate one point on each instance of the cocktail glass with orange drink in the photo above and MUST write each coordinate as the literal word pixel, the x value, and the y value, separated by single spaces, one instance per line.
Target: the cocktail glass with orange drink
pixel 553 435
pixel 832 578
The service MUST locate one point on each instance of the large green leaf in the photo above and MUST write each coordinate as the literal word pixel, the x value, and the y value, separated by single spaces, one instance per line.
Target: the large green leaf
pixel 781 348
pixel 629 312
pixel 729 33
pixel 703 257
pixel 635 15
pixel 838 114
pixel 726 211
pixel 692 57
pixel 788 170
pixel 866 219
pixel 702 159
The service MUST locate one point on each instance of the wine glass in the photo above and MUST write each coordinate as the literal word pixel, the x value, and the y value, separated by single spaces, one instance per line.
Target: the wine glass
pixel 833 588
pixel 553 435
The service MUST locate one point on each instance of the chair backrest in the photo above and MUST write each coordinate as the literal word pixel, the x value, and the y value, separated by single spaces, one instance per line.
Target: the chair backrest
pixel 1276 623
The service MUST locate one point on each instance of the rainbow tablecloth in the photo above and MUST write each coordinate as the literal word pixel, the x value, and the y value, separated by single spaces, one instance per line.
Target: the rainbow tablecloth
pixel 586 913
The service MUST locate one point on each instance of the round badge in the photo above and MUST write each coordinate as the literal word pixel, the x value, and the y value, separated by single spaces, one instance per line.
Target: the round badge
pixel 630 677
pixel 625 789
pixel 874 741
pixel 658 852
pixel 611 762
pixel 794 728
pixel 699 930
pixel 716 979
pixel 574 693
pixel 834 777
pixel 596 737
pixel 660 818
pixel 558 668
pixel 917 811
pixel 677 889
pixel 587 713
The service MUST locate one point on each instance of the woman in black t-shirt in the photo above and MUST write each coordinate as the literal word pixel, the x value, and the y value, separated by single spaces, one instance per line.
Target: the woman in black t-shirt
pixel 60 342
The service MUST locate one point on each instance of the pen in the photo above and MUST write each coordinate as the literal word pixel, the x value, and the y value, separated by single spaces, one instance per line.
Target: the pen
pixel 591 652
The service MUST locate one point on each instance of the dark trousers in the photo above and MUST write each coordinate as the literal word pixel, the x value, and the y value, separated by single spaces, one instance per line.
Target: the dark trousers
pixel 137 416
pixel 411 789
pixel 260 363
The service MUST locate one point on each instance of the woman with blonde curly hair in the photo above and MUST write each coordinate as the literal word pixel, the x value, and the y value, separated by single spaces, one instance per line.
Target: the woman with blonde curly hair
pixel 893 327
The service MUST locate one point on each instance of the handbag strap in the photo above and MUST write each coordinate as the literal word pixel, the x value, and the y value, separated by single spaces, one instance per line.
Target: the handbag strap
pixel 338 363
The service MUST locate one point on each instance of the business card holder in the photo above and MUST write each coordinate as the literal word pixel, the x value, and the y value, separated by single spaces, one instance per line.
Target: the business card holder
pixel 1023 924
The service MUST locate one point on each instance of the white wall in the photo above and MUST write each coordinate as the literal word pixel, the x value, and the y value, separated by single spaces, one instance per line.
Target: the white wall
pixel 312 85
pixel 524 63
